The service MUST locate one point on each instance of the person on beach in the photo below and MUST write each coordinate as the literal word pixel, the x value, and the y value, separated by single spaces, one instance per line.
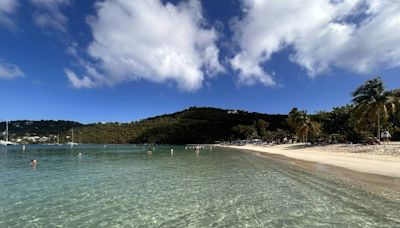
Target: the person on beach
pixel 385 136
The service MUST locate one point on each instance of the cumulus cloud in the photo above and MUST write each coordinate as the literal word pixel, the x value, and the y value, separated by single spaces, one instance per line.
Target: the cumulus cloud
pixel 85 82
pixel 150 40
pixel 356 35
pixel 48 13
pixel 7 9
pixel 9 71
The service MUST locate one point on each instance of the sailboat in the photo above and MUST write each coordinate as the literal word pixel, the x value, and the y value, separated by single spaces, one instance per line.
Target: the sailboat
pixel 6 141
pixel 58 140
pixel 72 143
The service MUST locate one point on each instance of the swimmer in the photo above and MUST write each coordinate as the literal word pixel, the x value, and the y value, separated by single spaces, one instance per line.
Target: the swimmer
pixel 33 162
pixel 149 152
pixel 172 151
pixel 80 155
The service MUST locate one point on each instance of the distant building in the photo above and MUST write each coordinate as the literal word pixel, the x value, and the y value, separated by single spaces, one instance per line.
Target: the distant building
pixel 232 111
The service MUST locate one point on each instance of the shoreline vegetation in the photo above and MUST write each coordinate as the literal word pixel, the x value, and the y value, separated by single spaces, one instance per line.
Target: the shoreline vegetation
pixel 372 159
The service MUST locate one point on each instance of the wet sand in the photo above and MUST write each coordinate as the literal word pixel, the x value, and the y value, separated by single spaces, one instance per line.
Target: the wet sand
pixel 391 183
pixel 347 157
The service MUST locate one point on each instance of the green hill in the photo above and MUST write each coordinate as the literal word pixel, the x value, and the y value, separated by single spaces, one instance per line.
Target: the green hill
pixel 38 128
pixel 194 125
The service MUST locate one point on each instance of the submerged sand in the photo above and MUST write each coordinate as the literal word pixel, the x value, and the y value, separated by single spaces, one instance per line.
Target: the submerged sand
pixel 378 159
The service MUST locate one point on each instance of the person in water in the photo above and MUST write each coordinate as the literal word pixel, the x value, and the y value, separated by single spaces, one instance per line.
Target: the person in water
pixel 33 162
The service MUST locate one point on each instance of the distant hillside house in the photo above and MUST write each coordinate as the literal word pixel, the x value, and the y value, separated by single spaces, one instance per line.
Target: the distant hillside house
pixel 232 111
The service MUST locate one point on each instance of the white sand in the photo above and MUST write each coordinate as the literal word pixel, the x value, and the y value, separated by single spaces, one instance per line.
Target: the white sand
pixel 381 159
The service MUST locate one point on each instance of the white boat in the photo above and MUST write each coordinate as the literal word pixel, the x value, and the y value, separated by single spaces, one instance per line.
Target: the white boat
pixel 6 142
pixel 72 143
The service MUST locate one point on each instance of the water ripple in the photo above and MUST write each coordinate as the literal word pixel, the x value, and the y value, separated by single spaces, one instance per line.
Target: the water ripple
pixel 123 187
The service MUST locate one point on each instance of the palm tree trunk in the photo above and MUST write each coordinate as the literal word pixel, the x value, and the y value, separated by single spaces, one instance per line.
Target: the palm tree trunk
pixel 379 126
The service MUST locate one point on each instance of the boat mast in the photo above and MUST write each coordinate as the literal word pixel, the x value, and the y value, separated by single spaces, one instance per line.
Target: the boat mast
pixel 6 131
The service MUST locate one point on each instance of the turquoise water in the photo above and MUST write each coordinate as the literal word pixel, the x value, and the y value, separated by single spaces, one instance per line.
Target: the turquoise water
pixel 121 186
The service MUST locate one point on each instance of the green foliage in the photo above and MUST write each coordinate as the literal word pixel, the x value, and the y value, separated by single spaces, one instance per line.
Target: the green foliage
pixel 373 102
pixel 39 128
pixel 194 125
pixel 302 125
pixel 339 124
pixel 261 127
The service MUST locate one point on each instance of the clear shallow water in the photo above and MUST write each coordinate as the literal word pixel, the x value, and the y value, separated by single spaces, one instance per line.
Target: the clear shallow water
pixel 121 186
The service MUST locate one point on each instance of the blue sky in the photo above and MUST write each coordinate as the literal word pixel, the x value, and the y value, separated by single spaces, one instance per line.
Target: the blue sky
pixel 123 60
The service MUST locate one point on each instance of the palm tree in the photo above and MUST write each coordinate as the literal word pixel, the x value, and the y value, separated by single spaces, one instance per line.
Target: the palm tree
pixel 302 124
pixel 372 101
pixel 296 118
pixel 308 127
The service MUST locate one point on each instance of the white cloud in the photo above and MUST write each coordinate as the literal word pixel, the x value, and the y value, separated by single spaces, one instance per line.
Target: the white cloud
pixel 9 71
pixel 49 14
pixel 7 8
pixel 356 35
pixel 77 82
pixel 250 72
pixel 149 40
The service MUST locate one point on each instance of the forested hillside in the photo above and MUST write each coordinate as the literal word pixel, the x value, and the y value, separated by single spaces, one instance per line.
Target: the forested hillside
pixel 38 128
pixel 194 125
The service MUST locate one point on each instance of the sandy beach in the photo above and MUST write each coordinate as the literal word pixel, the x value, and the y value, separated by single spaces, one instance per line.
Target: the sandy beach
pixel 377 159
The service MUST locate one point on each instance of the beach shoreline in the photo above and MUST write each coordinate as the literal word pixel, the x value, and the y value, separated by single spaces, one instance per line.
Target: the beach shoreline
pixel 381 160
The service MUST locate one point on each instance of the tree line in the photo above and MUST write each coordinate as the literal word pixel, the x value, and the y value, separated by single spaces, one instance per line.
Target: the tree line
pixel 372 110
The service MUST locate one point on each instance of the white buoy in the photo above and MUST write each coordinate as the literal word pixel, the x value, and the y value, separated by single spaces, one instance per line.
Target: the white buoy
pixel 23 147
pixel 172 151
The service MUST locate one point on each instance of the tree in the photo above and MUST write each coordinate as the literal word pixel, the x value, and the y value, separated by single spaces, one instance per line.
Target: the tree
pixel 339 124
pixel 261 126
pixel 294 118
pixel 245 131
pixel 308 127
pixel 302 124
pixel 372 101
